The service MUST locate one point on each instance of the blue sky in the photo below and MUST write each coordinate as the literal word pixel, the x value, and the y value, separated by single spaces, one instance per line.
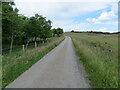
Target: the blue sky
pixel 79 15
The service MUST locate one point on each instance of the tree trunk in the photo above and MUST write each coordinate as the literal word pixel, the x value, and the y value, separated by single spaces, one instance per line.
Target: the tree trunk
pixel 40 40
pixel 11 46
pixel 35 39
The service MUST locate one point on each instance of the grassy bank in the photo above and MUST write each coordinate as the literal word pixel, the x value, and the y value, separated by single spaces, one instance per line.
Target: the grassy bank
pixel 99 55
pixel 18 62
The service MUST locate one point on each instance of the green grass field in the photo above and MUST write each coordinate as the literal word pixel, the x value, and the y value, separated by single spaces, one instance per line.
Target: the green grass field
pixel 99 55
pixel 19 61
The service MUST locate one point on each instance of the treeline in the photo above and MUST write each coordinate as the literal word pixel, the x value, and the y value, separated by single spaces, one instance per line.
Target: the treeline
pixel 19 29
pixel 95 32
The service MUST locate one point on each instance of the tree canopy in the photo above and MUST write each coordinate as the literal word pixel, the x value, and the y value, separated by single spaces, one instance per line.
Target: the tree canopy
pixel 19 29
pixel 23 27
pixel 57 31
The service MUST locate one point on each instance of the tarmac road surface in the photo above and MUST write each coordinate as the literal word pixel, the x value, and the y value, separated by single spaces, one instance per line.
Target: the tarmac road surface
pixel 60 68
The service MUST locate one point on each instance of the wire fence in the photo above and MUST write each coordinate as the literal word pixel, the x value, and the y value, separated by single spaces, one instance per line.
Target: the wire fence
pixel 31 45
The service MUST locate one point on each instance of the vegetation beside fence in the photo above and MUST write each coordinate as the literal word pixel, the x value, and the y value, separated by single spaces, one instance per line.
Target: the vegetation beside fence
pixel 18 62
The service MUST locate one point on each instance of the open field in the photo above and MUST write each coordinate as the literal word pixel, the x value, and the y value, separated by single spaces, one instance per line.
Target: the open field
pixel 99 55
pixel 18 62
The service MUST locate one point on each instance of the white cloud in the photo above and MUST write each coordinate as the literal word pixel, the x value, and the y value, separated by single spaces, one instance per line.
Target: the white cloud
pixel 92 20
pixel 62 12
pixel 69 25
pixel 104 16
pixel 110 23
pixel 64 22
pixel 59 9
pixel 115 7
pixel 104 30
pixel 68 0
pixel 78 26
pixel 107 15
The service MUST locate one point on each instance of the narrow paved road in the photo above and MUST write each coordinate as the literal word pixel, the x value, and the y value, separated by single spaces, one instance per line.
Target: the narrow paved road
pixel 58 69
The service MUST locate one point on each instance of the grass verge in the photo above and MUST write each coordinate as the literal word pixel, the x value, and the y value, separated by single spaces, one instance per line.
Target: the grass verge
pixel 100 63
pixel 18 62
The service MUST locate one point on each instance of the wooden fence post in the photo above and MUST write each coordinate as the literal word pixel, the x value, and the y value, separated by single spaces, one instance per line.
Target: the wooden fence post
pixel 23 48
pixel 35 44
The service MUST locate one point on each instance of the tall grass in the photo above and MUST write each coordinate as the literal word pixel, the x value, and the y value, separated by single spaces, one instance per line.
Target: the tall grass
pixel 99 55
pixel 18 62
